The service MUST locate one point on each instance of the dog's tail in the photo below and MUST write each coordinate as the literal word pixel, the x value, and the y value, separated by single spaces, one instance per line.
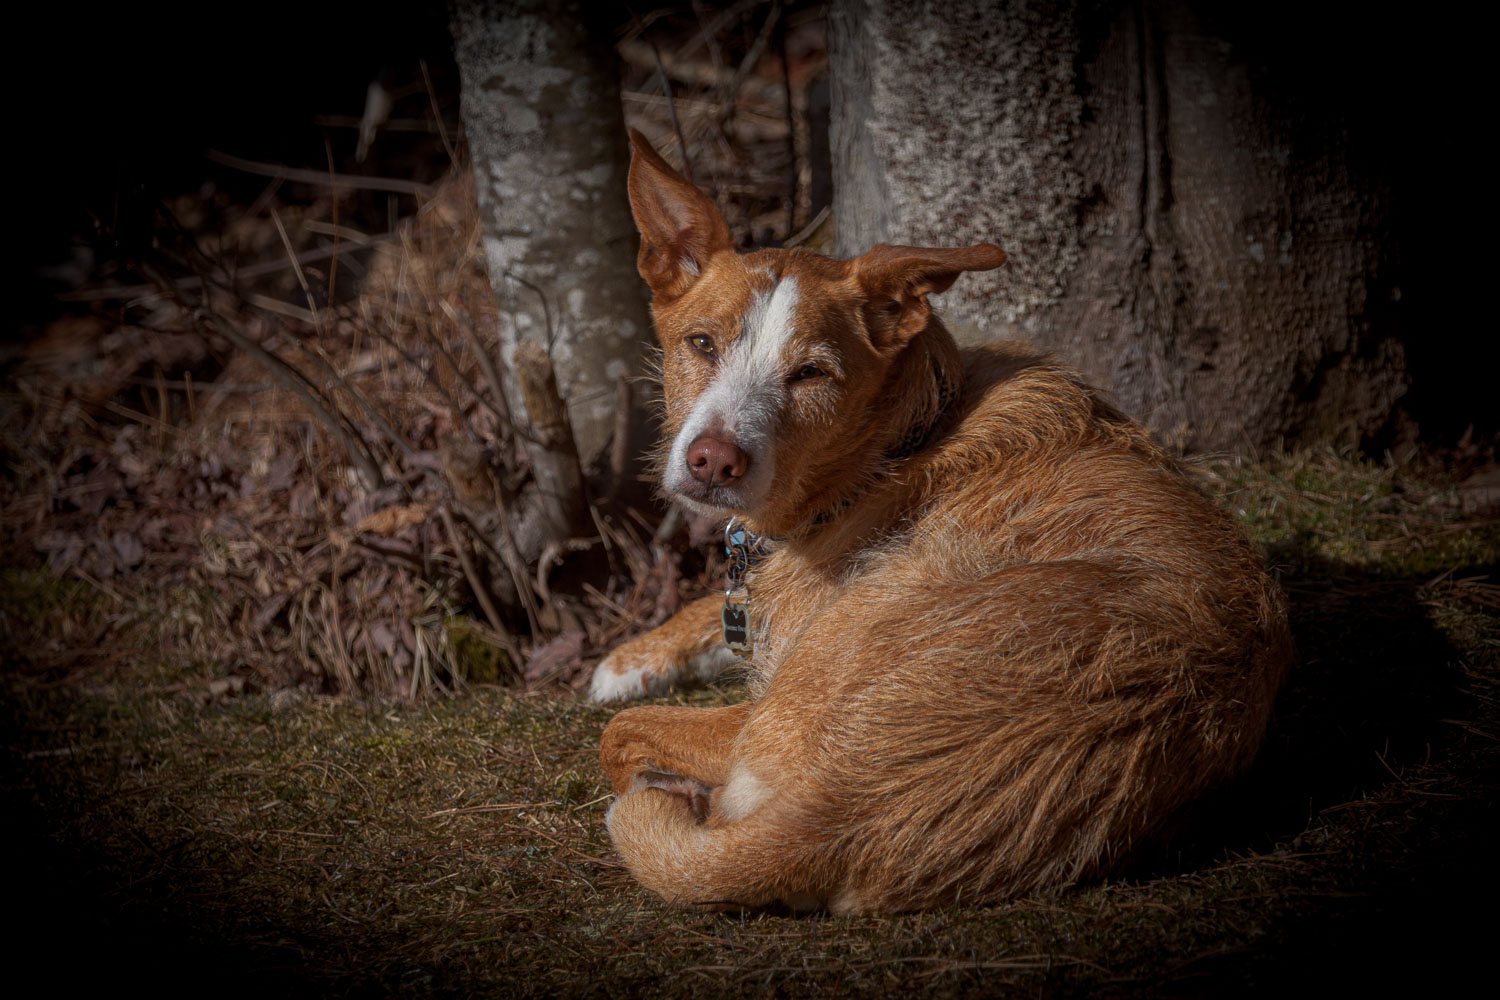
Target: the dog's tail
pixel 769 858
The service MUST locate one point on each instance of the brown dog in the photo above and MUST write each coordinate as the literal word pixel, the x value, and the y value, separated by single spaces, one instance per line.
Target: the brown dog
pixel 999 637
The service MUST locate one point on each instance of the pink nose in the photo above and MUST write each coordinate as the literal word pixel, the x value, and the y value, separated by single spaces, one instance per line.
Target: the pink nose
pixel 716 463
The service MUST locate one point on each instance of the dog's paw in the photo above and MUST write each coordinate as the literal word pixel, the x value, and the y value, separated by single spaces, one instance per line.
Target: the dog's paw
pixel 640 669
pixel 621 676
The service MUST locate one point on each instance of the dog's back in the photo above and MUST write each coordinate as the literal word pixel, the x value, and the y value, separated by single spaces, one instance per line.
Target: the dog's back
pixel 1061 644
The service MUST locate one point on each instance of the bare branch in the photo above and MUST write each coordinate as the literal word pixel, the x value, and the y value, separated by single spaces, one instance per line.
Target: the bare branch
pixel 300 175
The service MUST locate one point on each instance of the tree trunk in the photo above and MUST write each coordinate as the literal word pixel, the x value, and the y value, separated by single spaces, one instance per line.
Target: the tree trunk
pixel 1185 224
pixel 541 110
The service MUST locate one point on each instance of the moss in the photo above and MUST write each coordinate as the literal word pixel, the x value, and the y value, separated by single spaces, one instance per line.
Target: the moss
pixel 475 657
pixel 1316 508
pixel 29 597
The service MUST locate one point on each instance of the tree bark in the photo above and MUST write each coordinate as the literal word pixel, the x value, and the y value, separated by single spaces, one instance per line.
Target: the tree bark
pixel 1183 225
pixel 562 505
pixel 541 110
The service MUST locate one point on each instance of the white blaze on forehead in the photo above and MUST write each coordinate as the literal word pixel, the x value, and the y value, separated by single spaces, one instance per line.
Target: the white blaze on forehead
pixel 743 401
pixel 768 325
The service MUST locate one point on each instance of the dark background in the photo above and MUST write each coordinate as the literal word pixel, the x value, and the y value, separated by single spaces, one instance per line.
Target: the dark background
pixel 116 104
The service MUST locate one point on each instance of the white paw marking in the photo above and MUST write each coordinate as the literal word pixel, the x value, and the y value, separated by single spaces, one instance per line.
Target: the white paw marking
pixel 613 684
pixel 615 681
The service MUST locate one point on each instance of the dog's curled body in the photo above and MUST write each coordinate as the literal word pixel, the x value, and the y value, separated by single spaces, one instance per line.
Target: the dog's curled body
pixel 992 665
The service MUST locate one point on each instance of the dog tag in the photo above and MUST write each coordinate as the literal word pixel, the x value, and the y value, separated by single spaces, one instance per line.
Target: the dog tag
pixel 736 619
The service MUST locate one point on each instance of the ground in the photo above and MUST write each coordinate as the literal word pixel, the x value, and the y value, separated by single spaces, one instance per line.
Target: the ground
pixel 174 827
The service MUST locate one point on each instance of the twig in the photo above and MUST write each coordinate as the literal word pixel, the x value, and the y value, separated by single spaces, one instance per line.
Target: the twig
pixel 806 232
pixel 668 527
pixel 619 451
pixel 290 378
pixel 271 304
pixel 302 176
pixel 748 63
pixel 436 114
pixel 666 89
pixel 336 640
pixel 555 468
pixel 553 554
pixel 333 265
pixel 100 585
pixel 752 57
pixel 708 31
pixel 386 427
pixel 189 386
pixel 791 128
pixel 291 256
pixel 152 291
pixel 501 406
pixel 390 125
pixel 458 372
pixel 458 411
pixel 512 561
pixel 275 305
pixel 342 232
pixel 546 311
pixel 481 593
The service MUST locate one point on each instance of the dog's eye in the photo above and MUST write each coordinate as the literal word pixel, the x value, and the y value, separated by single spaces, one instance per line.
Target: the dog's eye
pixel 703 345
pixel 807 371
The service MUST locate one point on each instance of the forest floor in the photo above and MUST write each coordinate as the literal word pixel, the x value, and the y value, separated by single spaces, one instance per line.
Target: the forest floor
pixel 172 828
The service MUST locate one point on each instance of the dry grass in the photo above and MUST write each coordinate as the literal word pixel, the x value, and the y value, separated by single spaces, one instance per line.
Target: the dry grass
pixel 289 400
pixel 177 829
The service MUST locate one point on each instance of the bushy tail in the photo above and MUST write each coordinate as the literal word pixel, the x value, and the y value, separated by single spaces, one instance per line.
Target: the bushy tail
pixel 765 859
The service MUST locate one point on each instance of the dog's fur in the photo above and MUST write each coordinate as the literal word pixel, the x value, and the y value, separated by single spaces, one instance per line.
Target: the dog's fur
pixel 1001 637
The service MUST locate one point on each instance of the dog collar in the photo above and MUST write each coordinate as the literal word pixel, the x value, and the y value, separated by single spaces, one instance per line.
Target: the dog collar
pixel 918 435
pixel 744 548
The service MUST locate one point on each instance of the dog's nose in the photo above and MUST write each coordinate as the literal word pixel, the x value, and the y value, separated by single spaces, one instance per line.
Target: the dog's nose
pixel 716 463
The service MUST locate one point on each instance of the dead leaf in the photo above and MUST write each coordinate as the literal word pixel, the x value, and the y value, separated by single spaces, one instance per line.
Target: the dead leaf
pixel 128 550
pixel 391 520
pixel 1480 493
pixel 225 686
pixel 554 656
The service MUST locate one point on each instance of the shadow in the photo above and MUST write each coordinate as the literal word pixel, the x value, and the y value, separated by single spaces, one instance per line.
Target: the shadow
pixel 1370 779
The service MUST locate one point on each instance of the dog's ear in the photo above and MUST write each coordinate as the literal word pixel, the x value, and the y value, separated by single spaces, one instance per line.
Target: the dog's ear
pixel 896 281
pixel 680 227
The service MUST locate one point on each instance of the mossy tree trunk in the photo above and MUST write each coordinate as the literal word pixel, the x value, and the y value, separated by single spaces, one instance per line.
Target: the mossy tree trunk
pixel 541 111
pixel 1186 223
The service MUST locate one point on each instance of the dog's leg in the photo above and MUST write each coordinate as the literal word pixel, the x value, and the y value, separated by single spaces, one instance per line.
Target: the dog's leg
pixel 674 770
pixel 766 859
pixel 684 751
pixel 687 647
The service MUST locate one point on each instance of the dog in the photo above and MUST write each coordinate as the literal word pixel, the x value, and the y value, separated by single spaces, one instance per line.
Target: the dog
pixel 999 638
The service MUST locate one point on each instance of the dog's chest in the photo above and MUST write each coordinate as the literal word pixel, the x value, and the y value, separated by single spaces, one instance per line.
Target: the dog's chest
pixel 787 592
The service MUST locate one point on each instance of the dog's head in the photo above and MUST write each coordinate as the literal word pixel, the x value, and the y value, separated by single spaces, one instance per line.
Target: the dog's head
pixel 782 370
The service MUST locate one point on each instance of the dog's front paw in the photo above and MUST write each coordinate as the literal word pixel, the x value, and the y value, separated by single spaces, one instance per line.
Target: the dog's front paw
pixel 642 668
pixel 626 674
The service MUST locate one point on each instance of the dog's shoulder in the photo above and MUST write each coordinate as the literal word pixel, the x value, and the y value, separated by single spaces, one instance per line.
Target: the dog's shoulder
pixel 1021 401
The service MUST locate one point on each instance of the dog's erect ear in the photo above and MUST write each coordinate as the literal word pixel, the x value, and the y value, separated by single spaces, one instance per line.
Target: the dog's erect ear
pixel 680 228
pixel 896 281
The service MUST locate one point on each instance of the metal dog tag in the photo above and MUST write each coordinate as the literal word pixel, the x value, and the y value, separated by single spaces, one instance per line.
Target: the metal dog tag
pixel 743 550
pixel 736 620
